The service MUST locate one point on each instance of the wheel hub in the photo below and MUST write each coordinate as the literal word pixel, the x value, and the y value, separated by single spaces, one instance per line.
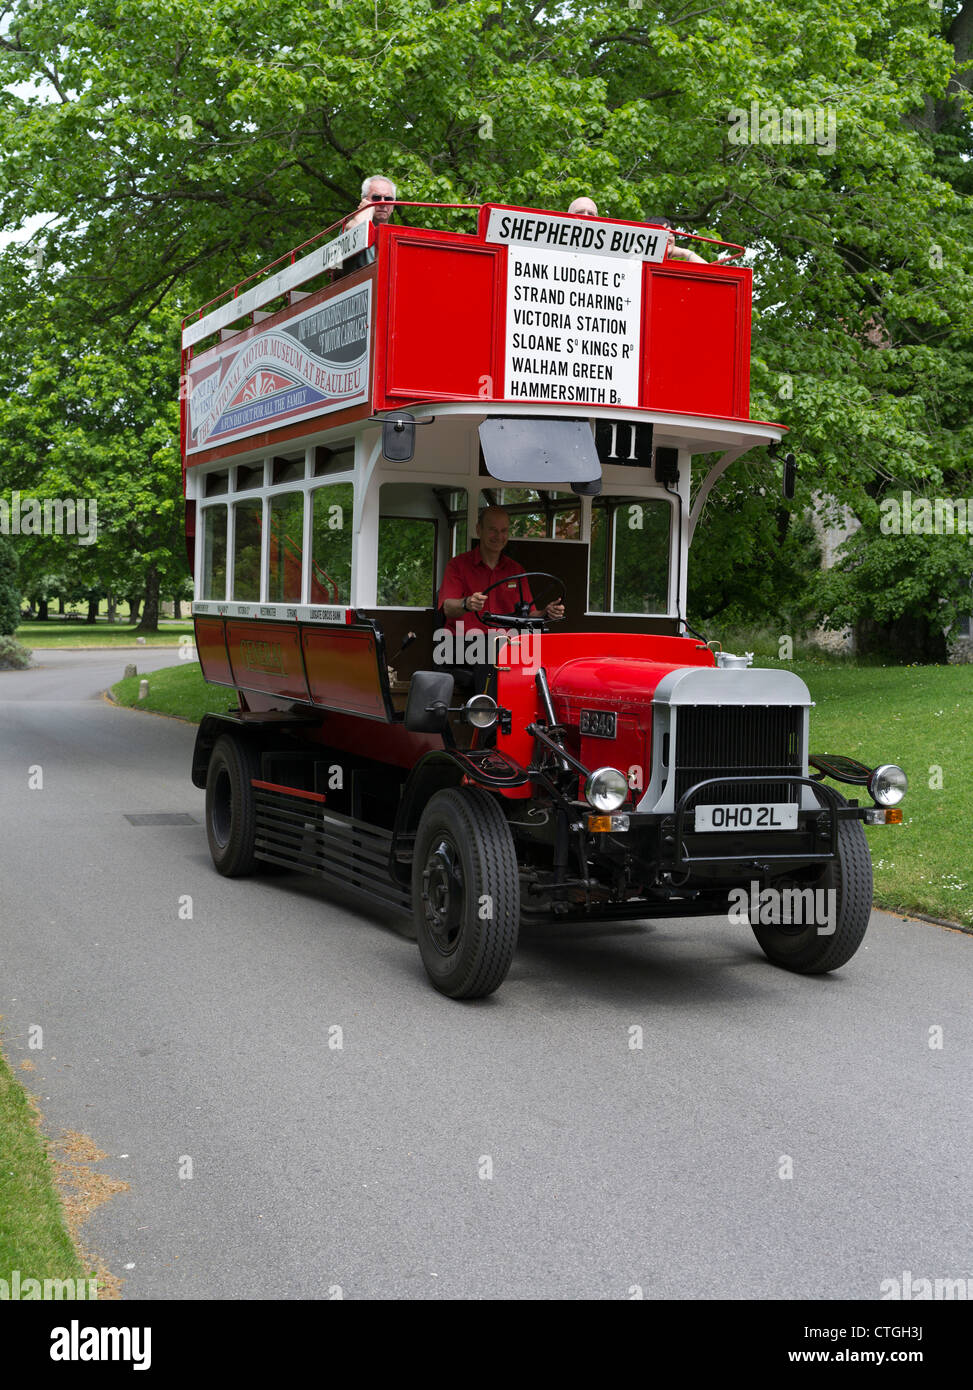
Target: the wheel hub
pixel 443 894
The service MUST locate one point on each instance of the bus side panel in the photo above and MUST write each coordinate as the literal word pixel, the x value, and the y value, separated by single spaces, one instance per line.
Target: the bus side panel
pixel 444 323
pixel 342 670
pixel 696 340
pixel 211 646
pixel 267 656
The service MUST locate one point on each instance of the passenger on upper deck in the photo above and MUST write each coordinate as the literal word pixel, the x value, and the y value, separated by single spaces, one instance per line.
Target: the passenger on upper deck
pixel 377 205
pixel 674 252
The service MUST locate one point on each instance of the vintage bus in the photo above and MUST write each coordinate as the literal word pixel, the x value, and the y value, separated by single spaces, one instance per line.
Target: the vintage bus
pixel 347 414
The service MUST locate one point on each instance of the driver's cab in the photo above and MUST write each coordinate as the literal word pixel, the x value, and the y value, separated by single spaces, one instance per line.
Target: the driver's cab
pixel 613 553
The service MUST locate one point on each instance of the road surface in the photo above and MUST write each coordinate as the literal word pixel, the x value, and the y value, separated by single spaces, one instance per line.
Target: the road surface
pixel 772 1137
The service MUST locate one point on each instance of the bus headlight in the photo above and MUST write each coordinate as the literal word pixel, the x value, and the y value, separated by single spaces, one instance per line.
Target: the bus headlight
pixel 606 789
pixel 480 711
pixel 888 784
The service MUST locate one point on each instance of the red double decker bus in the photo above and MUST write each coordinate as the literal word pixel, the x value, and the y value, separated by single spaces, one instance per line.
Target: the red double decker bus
pixel 347 415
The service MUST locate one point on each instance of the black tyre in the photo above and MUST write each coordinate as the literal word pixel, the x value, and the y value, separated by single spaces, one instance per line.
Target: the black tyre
pixel 808 950
pixel 230 808
pixel 465 893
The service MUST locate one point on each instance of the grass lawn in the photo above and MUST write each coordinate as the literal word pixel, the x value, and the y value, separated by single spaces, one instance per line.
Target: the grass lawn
pixel 33 1236
pixel 59 633
pixel 178 690
pixel 917 716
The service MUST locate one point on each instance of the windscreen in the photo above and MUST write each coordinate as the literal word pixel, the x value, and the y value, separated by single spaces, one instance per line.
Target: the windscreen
pixel 542 453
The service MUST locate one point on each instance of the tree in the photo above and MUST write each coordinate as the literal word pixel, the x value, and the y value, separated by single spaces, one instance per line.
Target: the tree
pixel 9 589
pixel 177 147
pixel 96 428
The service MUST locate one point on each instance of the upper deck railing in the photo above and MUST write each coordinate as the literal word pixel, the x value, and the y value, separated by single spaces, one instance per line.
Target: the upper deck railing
pixel 302 264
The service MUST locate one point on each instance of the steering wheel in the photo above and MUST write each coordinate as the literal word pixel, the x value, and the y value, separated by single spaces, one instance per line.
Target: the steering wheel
pixel 521 620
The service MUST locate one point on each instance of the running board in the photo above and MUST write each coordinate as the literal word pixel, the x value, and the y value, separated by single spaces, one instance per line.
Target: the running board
pixel 294 830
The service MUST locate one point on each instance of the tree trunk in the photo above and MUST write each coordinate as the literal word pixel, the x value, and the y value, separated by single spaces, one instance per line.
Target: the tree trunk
pixel 112 607
pixel 60 604
pixel 150 613
pixel 93 601
pixel 42 610
pixel 134 604
pixel 177 609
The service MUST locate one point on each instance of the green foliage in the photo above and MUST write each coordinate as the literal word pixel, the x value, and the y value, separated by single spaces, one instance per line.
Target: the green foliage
pixel 96 421
pixel 9 589
pixel 174 148
pixel 902 593
pixel 13 657
pixel 752 554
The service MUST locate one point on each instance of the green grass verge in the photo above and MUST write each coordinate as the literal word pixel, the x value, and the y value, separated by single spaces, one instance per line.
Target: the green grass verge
pixel 178 690
pixel 33 1236
pixel 58 633
pixel 917 716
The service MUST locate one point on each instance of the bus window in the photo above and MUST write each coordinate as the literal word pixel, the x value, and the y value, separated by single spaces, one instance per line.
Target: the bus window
pixel 534 514
pixel 286 549
pixel 331 528
pixel 246 549
pixel 406 562
pixel 629 565
pixel 213 579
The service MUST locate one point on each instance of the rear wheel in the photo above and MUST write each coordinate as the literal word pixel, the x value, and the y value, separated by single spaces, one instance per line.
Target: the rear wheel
pixel 821 946
pixel 230 807
pixel 465 893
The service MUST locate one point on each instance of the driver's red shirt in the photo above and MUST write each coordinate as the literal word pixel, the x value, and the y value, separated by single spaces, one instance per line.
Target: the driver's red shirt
pixel 467 574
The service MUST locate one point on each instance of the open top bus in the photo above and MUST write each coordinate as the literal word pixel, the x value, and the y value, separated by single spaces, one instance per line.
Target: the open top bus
pixel 346 416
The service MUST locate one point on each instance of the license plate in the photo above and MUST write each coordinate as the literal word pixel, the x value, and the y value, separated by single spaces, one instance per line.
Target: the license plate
pixel 598 723
pixel 781 815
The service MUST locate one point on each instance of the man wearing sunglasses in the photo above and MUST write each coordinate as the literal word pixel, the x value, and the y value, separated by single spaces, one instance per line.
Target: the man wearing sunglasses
pixel 377 205
pixel 377 201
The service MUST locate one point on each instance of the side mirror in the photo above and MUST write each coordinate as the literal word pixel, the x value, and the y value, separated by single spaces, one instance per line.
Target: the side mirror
pixel 790 475
pixel 399 438
pixel 427 709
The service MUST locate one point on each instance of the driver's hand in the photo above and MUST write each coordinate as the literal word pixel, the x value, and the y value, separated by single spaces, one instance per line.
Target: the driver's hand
pixel 476 602
pixel 555 611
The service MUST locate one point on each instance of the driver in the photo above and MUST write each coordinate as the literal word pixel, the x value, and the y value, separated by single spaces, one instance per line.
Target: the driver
pixel 461 595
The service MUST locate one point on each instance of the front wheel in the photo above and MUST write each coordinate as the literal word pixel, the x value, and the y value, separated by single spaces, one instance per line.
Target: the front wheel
pixel 465 893
pixel 842 907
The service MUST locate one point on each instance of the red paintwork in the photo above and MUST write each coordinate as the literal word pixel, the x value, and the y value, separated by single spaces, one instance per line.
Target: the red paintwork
pixel 266 656
pixel 288 791
pixel 441 336
pixel 616 671
pixel 211 648
pixel 438 332
pixel 342 670
pixel 696 339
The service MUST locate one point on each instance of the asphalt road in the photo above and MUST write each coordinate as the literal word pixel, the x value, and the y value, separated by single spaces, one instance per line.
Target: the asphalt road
pixel 516 1147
